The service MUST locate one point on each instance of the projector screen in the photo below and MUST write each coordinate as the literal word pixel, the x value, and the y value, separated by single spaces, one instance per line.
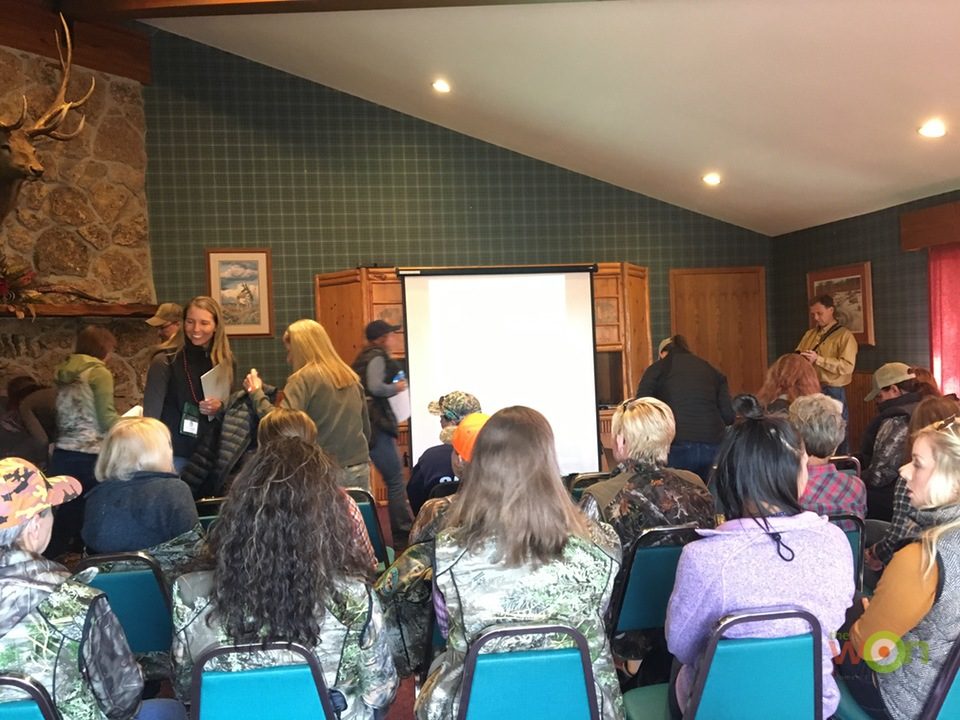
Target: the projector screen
pixel 508 337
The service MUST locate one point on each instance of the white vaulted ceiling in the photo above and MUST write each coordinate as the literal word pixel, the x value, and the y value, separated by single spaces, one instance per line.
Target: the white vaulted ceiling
pixel 808 108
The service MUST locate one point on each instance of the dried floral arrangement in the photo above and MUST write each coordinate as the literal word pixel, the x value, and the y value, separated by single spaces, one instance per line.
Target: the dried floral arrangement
pixel 20 291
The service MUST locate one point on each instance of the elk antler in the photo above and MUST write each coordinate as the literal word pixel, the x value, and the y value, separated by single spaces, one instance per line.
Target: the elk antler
pixel 48 123
pixel 15 125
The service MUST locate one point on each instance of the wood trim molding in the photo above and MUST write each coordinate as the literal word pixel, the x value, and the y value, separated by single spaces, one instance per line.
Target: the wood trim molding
pixel 937 225
pixel 133 9
pixel 30 25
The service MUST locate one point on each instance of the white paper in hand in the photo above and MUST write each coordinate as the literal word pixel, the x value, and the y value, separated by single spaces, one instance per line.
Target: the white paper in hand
pixel 216 384
pixel 400 404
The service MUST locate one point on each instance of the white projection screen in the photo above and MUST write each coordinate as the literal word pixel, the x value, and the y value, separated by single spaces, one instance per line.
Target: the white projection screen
pixel 509 336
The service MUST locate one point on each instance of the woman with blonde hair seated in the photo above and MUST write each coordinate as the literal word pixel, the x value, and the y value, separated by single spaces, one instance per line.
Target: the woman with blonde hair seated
pixel 917 601
pixel 285 568
pixel 329 391
pixel 140 503
pixel 516 549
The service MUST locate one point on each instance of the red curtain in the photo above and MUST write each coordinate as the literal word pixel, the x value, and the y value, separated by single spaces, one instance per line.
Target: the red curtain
pixel 945 316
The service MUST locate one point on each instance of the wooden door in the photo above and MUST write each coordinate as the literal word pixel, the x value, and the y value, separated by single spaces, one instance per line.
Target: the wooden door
pixel 723 314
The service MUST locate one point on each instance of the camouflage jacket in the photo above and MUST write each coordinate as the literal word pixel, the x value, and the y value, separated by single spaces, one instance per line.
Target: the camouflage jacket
pixel 64 635
pixel 352 650
pixel 654 496
pixel 574 589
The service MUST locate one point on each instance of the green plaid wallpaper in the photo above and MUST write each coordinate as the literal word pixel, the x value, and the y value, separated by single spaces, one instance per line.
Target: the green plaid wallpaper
pixel 900 285
pixel 241 155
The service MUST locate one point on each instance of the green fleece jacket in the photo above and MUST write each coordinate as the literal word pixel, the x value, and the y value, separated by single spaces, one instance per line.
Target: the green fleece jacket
pixel 85 409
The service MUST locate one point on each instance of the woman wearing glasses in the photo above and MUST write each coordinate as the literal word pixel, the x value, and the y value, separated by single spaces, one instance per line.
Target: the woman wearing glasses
pixel 909 626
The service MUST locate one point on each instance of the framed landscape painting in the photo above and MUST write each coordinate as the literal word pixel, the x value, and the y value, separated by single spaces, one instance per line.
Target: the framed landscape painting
pixel 240 281
pixel 851 288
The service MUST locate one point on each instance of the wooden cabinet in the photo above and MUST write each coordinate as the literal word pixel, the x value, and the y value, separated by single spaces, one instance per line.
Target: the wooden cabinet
pixel 345 301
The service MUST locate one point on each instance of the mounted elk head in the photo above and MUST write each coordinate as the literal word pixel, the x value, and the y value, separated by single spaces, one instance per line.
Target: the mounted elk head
pixel 18 155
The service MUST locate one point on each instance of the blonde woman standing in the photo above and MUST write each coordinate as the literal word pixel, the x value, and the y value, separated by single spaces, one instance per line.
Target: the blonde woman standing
pixel 174 393
pixel 329 391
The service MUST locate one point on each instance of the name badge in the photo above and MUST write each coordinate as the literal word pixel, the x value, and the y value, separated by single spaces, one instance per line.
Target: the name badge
pixel 190 420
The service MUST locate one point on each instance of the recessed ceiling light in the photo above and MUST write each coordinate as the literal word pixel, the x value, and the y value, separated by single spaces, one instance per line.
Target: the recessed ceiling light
pixel 712 179
pixel 441 85
pixel 933 128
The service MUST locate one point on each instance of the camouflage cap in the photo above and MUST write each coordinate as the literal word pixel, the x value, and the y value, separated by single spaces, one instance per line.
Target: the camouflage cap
pixel 26 492
pixel 455 406
pixel 166 313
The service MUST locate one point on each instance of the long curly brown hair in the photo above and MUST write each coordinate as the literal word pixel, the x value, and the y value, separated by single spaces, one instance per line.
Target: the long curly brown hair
pixel 282 541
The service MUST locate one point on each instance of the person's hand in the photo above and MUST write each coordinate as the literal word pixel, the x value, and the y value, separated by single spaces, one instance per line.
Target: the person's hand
pixel 210 406
pixel 252 382
pixel 400 385
pixel 810 356
pixel 871 560
pixel 866 602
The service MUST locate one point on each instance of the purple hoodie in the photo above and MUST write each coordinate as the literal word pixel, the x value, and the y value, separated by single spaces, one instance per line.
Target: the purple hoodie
pixel 736 567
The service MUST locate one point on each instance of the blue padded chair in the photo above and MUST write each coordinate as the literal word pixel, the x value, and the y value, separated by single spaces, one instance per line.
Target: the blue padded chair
pixel 40 705
pixel 208 509
pixel 640 603
pixel 858 541
pixel 943 702
pixel 139 597
pixel 847 464
pixel 282 692
pixel 368 508
pixel 747 678
pixel 585 480
pixel 552 684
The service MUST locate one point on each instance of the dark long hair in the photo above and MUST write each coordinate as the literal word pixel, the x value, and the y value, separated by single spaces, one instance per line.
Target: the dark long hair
pixel 282 541
pixel 758 465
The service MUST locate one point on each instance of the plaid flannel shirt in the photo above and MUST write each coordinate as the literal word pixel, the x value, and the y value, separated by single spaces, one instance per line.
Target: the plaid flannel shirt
pixel 901 525
pixel 361 540
pixel 831 492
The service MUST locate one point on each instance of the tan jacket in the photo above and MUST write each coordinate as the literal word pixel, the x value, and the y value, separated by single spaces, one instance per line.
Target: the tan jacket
pixel 838 355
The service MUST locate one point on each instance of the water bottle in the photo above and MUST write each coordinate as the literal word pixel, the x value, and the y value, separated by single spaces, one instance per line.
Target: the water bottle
pixel 399 376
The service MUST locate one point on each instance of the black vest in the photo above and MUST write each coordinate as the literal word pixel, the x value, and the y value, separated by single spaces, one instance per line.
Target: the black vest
pixel 382 418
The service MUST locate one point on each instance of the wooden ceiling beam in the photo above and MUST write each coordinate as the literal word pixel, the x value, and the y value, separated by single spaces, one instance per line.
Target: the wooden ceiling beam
pixel 133 9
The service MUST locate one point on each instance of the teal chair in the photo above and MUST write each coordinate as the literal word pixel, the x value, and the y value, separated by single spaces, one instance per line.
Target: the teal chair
pixel 847 464
pixel 138 595
pixel 535 684
pixel 39 706
pixel 282 692
pixel 581 481
pixel 208 509
pixel 368 508
pixel 640 601
pixel 747 678
pixel 943 702
pixel 857 539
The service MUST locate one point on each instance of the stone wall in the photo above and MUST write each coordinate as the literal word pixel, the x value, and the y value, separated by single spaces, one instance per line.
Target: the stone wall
pixel 84 224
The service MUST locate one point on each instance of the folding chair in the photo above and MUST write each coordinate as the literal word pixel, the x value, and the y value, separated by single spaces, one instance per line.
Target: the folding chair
pixel 534 684
pixel 748 678
pixel 368 508
pixel 139 597
pixel 857 539
pixel 585 480
pixel 278 692
pixel 942 703
pixel 40 705
pixel 208 509
pixel 847 464
pixel 640 601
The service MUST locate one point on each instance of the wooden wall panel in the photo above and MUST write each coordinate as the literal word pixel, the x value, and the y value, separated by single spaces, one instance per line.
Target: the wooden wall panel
pixel 861 413
pixel 938 225
pixel 30 26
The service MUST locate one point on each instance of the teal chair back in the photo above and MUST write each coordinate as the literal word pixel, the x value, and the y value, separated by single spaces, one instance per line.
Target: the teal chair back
pixel 857 537
pixel 368 508
pixel 640 601
pixel 208 509
pixel 40 705
pixel 284 692
pixel 744 678
pixel 551 684
pixel 846 464
pixel 139 597
pixel 944 698
pixel 582 481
